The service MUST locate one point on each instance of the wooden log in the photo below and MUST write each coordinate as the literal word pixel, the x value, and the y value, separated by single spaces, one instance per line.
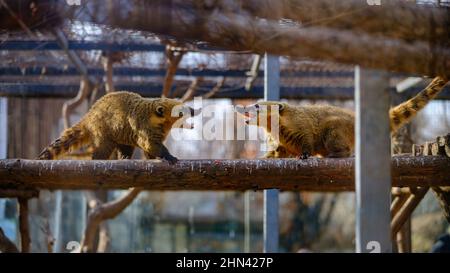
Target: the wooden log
pixel 400 191
pixel 443 196
pixel 6 245
pixel 238 31
pixel 12 193
pixel 24 226
pixel 404 238
pixel 315 174
pixel 407 209
pixel 427 148
pixel 417 150
pixel 444 144
pixel 436 149
pixel 397 204
pixel 28 14
pixel 394 18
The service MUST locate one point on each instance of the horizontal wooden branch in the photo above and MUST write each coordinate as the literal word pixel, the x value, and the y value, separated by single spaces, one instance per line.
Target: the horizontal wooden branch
pixel 13 193
pixel 394 18
pixel 239 31
pixel 314 174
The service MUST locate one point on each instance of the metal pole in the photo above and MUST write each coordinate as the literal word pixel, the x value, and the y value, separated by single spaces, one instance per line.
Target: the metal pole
pixel 3 127
pixel 247 222
pixel 373 170
pixel 271 92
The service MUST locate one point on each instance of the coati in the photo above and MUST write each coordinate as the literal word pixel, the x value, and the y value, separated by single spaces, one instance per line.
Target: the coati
pixel 328 131
pixel 121 121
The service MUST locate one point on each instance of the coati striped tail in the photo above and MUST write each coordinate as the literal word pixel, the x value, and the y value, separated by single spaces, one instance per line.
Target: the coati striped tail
pixel 70 139
pixel 404 112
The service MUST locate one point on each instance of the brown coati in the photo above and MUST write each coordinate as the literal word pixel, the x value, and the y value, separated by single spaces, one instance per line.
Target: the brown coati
pixel 121 121
pixel 328 131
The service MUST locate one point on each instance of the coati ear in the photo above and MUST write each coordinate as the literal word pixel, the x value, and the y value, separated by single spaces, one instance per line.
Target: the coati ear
pixel 280 107
pixel 160 111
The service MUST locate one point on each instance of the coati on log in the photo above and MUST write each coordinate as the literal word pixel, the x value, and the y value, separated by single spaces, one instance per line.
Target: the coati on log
pixel 325 130
pixel 121 121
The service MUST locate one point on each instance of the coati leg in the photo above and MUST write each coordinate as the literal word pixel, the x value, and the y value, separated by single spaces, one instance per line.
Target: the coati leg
pixel 306 146
pixel 124 151
pixel 271 154
pixel 336 143
pixel 159 150
pixel 103 151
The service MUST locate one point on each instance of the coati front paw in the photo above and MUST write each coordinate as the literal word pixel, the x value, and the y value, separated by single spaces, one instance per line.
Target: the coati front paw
pixel 170 158
pixel 304 155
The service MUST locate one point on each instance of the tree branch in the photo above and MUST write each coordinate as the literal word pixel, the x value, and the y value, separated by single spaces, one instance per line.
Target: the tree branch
pixel 105 212
pixel 24 225
pixel 174 57
pixel 6 245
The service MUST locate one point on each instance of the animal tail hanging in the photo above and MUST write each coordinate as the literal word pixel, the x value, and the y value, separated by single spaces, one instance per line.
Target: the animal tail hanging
pixel 404 112
pixel 72 138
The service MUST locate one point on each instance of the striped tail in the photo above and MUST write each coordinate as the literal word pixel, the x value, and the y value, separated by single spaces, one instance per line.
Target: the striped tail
pixel 72 138
pixel 404 112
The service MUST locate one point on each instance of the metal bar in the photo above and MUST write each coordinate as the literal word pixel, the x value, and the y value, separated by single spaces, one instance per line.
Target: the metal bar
pixel 153 89
pixel 271 198
pixel 157 72
pixel 247 222
pixel 3 127
pixel 373 171
pixel 80 45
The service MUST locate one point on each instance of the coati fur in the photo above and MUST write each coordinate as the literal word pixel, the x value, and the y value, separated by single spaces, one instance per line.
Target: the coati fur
pixel 328 131
pixel 119 122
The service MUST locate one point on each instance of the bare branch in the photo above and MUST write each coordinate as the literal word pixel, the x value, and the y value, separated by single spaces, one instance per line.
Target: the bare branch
pixel 108 67
pixel 253 73
pixel 6 245
pixel 24 225
pixel 174 57
pixel 70 105
pixel 215 89
pixel 190 92
pixel 105 212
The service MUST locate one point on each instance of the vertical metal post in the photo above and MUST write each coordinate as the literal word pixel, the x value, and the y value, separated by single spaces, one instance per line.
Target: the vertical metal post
pixel 373 161
pixel 247 222
pixel 271 92
pixel 3 127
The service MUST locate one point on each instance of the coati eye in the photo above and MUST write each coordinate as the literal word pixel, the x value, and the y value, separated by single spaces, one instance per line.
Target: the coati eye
pixel 160 111
pixel 180 114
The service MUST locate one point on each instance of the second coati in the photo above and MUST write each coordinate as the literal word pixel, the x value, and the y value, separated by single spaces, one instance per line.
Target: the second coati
pixel 326 130
pixel 121 121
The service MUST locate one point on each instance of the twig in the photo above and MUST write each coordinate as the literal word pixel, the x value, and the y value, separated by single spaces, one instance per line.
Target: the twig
pixel 24 225
pixel 174 57
pixel 50 240
pixel 190 92
pixel 6 245
pixel 215 89
pixel 70 105
pixel 105 212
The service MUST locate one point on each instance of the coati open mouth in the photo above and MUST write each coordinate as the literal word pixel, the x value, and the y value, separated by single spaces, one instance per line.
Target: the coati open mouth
pixel 251 113
pixel 192 113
